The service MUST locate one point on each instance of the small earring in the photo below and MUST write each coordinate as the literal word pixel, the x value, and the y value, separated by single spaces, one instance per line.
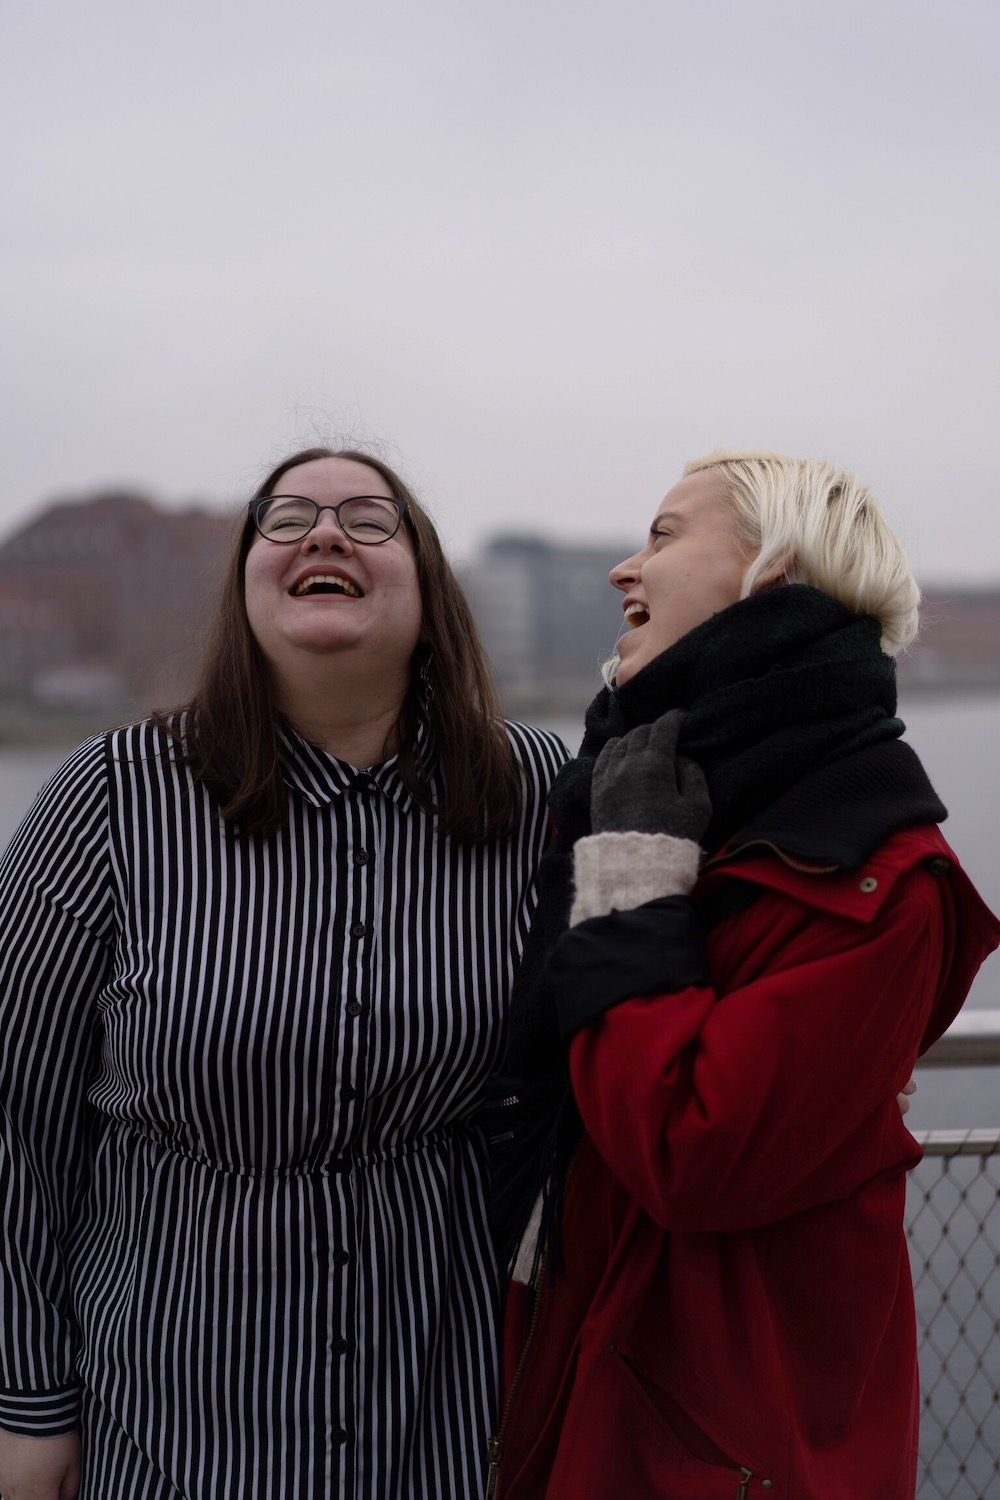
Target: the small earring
pixel 426 685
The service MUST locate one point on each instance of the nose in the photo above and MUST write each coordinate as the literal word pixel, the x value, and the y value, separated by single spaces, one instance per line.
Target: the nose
pixel 624 574
pixel 327 534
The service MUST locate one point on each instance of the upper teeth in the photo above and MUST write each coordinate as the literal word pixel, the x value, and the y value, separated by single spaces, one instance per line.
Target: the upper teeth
pixel 636 614
pixel 342 583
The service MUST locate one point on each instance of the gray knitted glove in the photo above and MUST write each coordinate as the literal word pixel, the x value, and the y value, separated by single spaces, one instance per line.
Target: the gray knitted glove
pixel 640 783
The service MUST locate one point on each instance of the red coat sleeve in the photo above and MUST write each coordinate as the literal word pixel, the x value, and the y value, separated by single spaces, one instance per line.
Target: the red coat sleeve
pixel 731 1106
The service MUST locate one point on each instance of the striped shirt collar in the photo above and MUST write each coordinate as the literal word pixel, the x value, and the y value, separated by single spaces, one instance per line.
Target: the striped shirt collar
pixel 319 776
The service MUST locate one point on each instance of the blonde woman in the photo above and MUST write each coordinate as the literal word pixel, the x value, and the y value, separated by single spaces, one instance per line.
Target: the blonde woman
pixel 749 927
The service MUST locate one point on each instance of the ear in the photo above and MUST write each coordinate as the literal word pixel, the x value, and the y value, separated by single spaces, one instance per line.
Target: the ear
pixel 776 573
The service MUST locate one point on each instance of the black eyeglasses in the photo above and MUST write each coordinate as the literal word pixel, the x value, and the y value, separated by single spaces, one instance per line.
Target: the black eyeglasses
pixel 368 519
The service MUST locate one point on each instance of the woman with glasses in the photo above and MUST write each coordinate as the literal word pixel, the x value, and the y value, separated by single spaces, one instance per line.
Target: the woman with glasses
pixel 749 926
pixel 254 964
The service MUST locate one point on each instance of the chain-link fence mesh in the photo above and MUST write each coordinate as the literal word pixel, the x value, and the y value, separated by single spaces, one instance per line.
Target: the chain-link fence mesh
pixel 953 1224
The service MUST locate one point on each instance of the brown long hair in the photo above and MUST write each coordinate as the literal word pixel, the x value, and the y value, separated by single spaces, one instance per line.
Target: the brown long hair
pixel 230 734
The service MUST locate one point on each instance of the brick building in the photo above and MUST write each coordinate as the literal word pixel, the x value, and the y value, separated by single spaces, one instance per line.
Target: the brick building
pixel 101 602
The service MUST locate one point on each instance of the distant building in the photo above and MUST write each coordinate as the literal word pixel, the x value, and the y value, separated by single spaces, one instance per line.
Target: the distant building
pixel 548 617
pixel 102 602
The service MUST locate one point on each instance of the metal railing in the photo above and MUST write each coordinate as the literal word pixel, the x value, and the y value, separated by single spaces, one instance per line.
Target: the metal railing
pixel 953 1227
pixel 972 1040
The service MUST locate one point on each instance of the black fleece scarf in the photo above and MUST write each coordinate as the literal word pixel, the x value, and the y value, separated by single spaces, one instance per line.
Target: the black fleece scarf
pixel 773 687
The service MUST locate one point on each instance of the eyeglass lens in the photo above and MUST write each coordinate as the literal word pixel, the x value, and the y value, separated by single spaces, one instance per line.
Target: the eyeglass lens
pixel 365 518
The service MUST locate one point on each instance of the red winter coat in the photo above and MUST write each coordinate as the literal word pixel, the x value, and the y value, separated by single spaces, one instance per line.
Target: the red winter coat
pixel 736 1317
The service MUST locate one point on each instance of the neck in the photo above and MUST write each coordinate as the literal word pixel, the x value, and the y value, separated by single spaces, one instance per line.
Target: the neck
pixel 351 714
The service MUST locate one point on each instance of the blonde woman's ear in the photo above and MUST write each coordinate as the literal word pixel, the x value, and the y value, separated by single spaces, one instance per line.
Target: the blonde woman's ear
pixel 775 574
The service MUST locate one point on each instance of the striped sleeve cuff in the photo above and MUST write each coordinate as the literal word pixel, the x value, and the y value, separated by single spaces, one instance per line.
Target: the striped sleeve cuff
pixel 619 871
pixel 40 1413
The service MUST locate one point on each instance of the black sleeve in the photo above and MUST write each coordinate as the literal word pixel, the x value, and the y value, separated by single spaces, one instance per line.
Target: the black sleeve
pixel 655 948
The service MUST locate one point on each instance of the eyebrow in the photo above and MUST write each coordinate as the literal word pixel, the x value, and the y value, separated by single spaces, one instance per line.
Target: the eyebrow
pixel 665 515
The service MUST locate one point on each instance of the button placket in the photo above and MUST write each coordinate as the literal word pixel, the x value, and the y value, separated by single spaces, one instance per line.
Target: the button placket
pixel 364 807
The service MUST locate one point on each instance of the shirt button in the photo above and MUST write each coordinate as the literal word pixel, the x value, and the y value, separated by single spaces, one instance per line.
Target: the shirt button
pixel 358 929
pixel 349 1091
pixel 363 782
pixel 868 885
pixel 340 1346
pixel 354 1007
pixel 362 857
pixel 339 1434
pixel 342 1257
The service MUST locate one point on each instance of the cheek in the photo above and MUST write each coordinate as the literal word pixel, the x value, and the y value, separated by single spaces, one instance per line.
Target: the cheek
pixel 406 588
pixel 257 582
pixel 255 619
pixel 416 615
pixel 734 581
pixel 721 577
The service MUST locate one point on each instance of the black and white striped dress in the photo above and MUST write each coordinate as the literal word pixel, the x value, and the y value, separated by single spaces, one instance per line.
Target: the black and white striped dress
pixel 243 1195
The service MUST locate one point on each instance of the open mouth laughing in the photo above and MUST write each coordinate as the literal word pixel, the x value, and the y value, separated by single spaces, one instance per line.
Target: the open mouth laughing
pixel 325 583
pixel 635 614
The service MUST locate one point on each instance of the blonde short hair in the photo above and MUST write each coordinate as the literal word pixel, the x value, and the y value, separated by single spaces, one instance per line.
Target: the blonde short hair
pixel 818 524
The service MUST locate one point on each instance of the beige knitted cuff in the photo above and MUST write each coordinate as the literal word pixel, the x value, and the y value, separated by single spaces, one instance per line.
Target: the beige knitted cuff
pixel 617 871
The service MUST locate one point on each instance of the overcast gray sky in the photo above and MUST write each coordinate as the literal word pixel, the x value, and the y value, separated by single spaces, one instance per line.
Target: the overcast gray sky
pixel 545 252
